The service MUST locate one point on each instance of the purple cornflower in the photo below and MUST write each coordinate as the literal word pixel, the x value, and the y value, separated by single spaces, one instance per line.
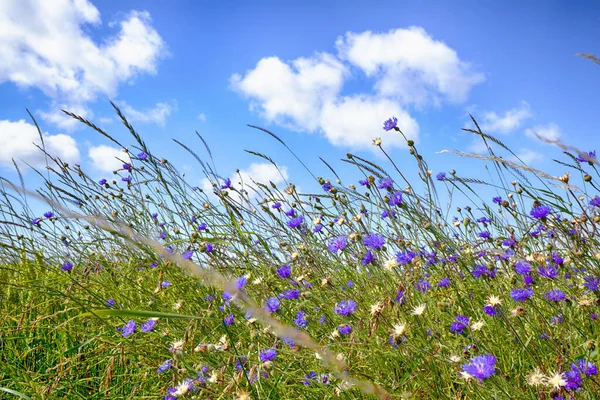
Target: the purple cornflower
pixel 423 285
pixel 110 303
pixel 187 255
pixel 586 367
pixel 395 199
pixel 510 242
pixel 497 200
pixel 240 282
pixel 272 304
pixel 284 272
pixel 129 328
pixel 276 206
pixel 267 355
pixel 127 179
pixel 36 221
pixel 295 222
pixel 405 257
pixel 300 319
pixel 540 212
pixel 327 186
pixel 318 228
pixel 390 124
pixel 67 266
pixel 290 213
pixel 337 243
pixel 484 220
pixel 48 214
pixel 226 184
pixel 345 307
pixel 590 155
pixel 102 182
pixel 591 283
pixel 484 235
pixel 202 227
pixel 363 182
pixel 521 294
pixel 489 310
pixel 374 241
pixel 165 284
pixel 444 282
pixel 460 324
pixel 289 341
pixel 149 325
pixel 126 167
pixel 228 320
pixel 165 366
pixel 595 202
pixel 209 247
pixel 550 271
pixel 385 183
pixel 344 329
pixel 480 270
pixel 441 176
pixel 368 258
pixel 555 295
pixel 400 297
pixel 290 294
pixel 522 267
pixel 481 367
pixel 386 214
pixel 142 156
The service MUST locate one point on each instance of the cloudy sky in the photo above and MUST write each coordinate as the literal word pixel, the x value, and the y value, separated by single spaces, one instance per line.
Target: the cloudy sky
pixel 322 75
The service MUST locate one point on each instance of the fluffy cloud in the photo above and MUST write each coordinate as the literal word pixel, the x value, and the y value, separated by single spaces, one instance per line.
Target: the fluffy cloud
pixel 510 121
pixel 245 179
pixel 107 159
pixel 408 68
pixel 410 65
pixel 157 115
pixel 528 157
pixel 18 139
pixel 549 131
pixel 355 121
pixel 293 95
pixel 45 44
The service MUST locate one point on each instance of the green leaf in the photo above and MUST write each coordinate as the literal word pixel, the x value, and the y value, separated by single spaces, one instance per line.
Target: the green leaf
pixel 18 394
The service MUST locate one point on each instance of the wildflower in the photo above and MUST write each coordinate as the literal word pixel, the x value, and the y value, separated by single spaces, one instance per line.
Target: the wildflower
pixel 556 380
pixel 385 183
pixel 290 213
pixel 591 283
pixel 536 377
pixel 540 212
pixel 395 199
pixel 202 227
pixel 318 228
pixel 300 319
pixel 110 303
pixel 422 285
pixel 226 184
pixel 484 235
pixel 510 242
pixel 126 179
pixel 241 282
pixel 363 182
pixel 284 272
pixel 521 294
pixel 595 202
pixel 337 243
pixel 522 267
pixel 399 330
pixel 405 257
pixel 345 307
pixel 460 324
pixel 177 347
pixel 489 310
pixel 277 205
pixel 497 200
pixel 400 297
pixel 444 282
pixel 102 182
pixel 368 258
pixel 129 328
pixel 376 308
pixel 48 214
pixel 374 241
pixel 549 271
pixel 165 284
pixel 267 355
pixel 390 124
pixel 36 221
pixel 476 326
pixel 165 366
pixel 187 255
pixel 290 294
pixel 345 329
pixel 142 156
pixel 586 157
pixel 67 266
pixel 419 310
pixel 555 295
pixel 126 166
pixel 149 325
pixel 295 222
pixel 209 247
pixel 481 367
pixel 228 320
pixel 327 186
pixel 484 220
pixel 441 176
pixel 390 264
pixel 272 304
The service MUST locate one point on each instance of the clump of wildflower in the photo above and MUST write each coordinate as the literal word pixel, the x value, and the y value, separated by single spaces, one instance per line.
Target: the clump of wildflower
pixel 555 295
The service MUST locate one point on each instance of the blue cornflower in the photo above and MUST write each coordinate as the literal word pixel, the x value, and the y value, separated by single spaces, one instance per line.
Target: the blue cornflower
pixel 550 271
pixel 129 328
pixel 149 325
pixel 540 212
pixel 240 282
pixel 142 156
pixel 209 247
pixel 228 320
pixel 484 220
pixel 386 214
pixel 284 272
pixel 344 329
pixel 36 221
pixel 444 282
pixel 385 183
pixel 295 222
pixel 395 199
pixel 327 186
pixel 202 227
pixel 363 182
pixel 591 283
pixel 460 324
pixel 441 176
pixel 102 182
pixel 422 285
pixel 400 297
pixel 590 155
pixel 48 214
pixel 595 202
pixel 345 307
pixel 586 367
pixel 390 124
pixel 368 258
pixel 290 294
pixel 290 213
pixel 276 206
pixel 481 367
pixel 272 304
pixel 522 267
pixel 165 284
pixel 318 228
pixel 226 184
pixel 267 355
pixel 337 243
pixel 555 295
pixel 405 257
pixel 484 235
pixel 374 241
pixel 497 200
pixel 165 366
pixel 188 254
pixel 67 266
pixel 110 303
pixel 300 319
pixel 489 310
pixel 289 341
pixel 521 294
pixel 480 270
pixel 126 166
pixel 127 179
pixel 510 242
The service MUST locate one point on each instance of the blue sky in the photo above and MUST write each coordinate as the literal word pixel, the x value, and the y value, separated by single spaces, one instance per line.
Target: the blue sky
pixel 322 75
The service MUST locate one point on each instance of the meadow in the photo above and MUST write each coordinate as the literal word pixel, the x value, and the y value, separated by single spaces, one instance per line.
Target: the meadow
pixel 141 285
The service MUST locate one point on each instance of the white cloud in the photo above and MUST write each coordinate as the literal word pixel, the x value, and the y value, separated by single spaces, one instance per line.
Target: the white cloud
pixel 293 95
pixel 202 117
pixel 107 159
pixel 510 121
pixel 256 172
pixel 478 146
pixel 46 44
pixel 157 115
pixel 528 156
pixel 410 65
pixel 549 131
pixel 355 121
pixel 17 141
pixel 62 120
